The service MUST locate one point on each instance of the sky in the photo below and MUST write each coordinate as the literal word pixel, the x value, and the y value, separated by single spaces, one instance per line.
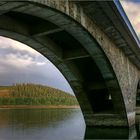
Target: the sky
pixel 21 64
pixel 132 10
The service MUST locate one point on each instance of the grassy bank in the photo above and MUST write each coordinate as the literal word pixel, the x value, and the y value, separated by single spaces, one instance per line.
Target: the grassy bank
pixel 35 95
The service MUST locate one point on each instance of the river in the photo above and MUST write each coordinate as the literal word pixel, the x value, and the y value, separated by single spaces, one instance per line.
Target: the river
pixel 41 124
pixel 55 124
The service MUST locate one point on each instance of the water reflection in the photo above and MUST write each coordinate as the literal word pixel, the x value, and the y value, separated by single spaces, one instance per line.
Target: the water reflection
pixel 60 124
pixel 41 124
pixel 110 133
pixel 30 117
pixel 92 133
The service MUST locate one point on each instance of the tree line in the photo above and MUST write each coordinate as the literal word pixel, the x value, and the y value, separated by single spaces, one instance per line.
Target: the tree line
pixel 33 94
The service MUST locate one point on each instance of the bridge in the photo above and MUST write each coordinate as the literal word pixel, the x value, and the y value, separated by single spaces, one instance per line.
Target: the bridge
pixel 93 45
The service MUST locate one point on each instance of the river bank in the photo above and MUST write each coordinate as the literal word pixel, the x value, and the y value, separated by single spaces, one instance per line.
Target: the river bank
pixel 36 106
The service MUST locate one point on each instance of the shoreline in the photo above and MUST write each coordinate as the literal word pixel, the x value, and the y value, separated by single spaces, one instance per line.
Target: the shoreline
pixel 36 106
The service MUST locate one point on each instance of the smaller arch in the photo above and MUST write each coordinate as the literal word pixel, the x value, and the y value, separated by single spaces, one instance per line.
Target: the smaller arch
pixel 137 109
pixel 137 105
pixel 138 95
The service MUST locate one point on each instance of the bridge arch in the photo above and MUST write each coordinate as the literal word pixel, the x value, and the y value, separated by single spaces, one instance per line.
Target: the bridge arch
pixel 63 37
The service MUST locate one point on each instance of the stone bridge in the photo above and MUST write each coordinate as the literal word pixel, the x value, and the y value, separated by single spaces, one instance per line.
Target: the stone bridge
pixel 93 45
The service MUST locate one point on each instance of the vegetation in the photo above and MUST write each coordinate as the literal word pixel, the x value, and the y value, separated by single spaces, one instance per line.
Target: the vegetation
pixel 31 94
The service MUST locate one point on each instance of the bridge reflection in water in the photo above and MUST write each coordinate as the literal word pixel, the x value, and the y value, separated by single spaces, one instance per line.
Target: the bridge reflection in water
pixel 111 133
pixel 114 132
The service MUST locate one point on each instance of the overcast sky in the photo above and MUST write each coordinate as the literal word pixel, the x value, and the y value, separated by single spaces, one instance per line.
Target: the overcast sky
pixel 21 64
pixel 132 9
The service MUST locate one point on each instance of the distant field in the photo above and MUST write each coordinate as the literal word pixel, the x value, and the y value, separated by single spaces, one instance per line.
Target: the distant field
pixel 32 94
pixel 4 93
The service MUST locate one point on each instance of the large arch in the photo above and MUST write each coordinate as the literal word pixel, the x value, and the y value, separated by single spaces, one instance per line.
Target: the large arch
pixel 50 29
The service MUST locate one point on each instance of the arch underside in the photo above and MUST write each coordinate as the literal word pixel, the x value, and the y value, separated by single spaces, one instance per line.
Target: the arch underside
pixel 74 52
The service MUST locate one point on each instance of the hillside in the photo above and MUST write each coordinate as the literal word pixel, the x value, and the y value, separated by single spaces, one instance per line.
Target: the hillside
pixel 32 94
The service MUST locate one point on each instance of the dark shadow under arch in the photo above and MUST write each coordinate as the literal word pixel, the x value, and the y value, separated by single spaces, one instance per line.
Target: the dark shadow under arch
pixel 138 95
pixel 137 109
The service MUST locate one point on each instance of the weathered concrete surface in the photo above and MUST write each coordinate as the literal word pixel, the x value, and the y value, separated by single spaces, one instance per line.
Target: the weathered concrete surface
pixel 65 26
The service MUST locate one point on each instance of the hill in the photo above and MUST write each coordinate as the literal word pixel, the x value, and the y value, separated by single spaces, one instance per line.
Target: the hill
pixel 32 94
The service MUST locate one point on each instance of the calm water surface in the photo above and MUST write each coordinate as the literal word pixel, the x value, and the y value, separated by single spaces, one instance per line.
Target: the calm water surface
pixel 55 124
pixel 41 124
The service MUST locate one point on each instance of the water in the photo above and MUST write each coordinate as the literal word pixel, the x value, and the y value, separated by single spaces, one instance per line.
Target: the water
pixel 41 124
pixel 56 124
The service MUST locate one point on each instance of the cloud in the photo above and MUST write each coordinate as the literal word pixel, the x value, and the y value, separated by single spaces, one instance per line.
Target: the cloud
pixel 18 55
pixel 15 45
pixel 17 61
pixel 132 10
pixel 40 63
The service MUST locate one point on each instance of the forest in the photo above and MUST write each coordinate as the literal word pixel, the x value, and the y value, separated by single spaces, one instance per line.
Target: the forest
pixel 33 94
